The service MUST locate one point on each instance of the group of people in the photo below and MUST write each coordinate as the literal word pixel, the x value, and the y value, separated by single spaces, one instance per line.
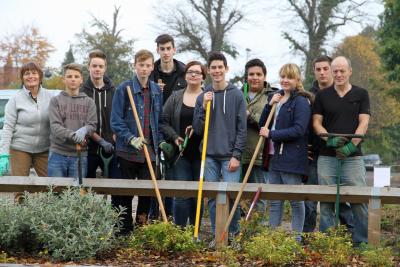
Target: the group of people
pixel 96 118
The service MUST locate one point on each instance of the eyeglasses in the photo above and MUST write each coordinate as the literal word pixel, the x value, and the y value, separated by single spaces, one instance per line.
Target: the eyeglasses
pixel 194 73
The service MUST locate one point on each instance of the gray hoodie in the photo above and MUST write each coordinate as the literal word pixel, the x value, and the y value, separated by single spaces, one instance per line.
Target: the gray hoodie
pixel 228 122
pixel 67 114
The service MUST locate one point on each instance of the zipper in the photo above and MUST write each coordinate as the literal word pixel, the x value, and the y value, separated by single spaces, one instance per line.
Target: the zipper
pixel 100 119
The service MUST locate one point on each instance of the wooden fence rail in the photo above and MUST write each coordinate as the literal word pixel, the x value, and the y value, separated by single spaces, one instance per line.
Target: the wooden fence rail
pixel 222 191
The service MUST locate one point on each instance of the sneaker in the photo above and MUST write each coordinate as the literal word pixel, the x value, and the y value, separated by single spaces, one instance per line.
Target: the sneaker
pixel 212 244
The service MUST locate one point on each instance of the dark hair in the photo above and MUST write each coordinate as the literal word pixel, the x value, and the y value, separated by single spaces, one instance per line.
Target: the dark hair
pixel 143 55
pixel 255 63
pixel 196 63
pixel 322 59
pixel 97 53
pixel 29 67
pixel 73 66
pixel 215 55
pixel 164 38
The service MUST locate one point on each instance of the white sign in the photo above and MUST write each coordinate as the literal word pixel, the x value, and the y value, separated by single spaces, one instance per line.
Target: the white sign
pixel 381 176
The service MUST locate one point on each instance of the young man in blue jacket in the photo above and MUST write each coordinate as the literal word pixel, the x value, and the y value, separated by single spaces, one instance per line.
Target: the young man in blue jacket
pixel 129 145
pixel 226 133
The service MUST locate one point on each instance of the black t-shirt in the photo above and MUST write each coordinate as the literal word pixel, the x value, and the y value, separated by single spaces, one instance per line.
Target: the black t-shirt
pixel 192 150
pixel 340 114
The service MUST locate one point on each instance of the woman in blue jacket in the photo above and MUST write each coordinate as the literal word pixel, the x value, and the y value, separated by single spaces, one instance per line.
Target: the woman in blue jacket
pixel 287 141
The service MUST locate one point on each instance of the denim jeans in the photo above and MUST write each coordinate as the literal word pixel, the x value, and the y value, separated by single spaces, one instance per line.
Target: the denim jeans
pixel 259 176
pixel 214 169
pixel 185 208
pixel 276 208
pixel 65 166
pixel 352 174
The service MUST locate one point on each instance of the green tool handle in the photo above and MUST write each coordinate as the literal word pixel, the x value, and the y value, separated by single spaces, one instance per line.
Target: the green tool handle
pixel 342 135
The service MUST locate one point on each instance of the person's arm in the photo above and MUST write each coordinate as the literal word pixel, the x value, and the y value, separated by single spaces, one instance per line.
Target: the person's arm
pixel 119 125
pixel 167 120
pixel 317 125
pixel 56 122
pixel 301 121
pixel 199 116
pixel 91 120
pixel 362 127
pixel 10 120
pixel 241 130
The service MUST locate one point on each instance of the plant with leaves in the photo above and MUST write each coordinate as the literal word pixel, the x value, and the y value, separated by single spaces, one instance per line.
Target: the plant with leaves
pixel 204 26
pixel 108 38
pixel 27 44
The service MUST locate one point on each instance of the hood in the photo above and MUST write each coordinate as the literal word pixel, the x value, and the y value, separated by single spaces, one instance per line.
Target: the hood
pixel 314 87
pixel 179 66
pixel 227 89
pixel 108 85
pixel 80 95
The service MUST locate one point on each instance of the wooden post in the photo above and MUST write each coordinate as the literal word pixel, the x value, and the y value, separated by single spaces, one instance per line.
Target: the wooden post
pixel 374 221
pixel 221 214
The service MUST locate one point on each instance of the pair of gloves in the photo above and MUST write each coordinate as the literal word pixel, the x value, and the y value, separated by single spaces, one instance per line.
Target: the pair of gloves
pixel 166 148
pixel 4 164
pixel 342 145
pixel 79 137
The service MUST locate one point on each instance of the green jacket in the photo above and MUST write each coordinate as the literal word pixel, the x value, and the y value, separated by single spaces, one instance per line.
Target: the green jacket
pixel 255 108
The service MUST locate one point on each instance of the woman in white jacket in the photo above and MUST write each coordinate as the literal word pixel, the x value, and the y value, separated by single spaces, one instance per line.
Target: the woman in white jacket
pixel 25 138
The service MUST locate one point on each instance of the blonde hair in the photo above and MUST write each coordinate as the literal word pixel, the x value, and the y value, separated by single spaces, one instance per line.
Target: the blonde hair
pixel 292 71
pixel 143 55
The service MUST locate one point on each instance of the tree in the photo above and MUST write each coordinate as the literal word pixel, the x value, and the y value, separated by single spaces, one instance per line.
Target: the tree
pixel 24 46
pixel 69 57
pixel 385 110
pixel 108 38
pixel 203 26
pixel 389 36
pixel 314 22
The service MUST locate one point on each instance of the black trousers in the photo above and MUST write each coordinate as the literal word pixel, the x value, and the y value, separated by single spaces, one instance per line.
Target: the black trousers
pixel 133 170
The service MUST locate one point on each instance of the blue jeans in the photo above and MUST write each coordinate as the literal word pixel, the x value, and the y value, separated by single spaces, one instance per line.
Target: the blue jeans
pixel 276 208
pixel 259 176
pixel 65 166
pixel 310 219
pixel 185 208
pixel 214 169
pixel 352 174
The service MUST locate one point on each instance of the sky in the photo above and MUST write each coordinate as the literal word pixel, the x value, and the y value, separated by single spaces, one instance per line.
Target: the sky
pixel 59 21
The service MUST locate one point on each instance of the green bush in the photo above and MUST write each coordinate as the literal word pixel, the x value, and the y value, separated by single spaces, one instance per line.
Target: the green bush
pixel 335 246
pixel 67 226
pixel 274 247
pixel 378 257
pixel 70 225
pixel 254 226
pixel 163 237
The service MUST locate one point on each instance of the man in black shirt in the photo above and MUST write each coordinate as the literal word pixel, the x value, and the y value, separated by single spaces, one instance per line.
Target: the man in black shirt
pixel 168 72
pixel 323 79
pixel 342 108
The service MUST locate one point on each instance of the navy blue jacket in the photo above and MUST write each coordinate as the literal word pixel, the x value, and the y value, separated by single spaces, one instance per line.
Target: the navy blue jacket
pixel 122 120
pixel 290 136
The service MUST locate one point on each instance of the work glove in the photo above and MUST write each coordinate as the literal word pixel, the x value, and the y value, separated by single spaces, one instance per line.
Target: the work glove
pixel 168 150
pixel 79 135
pixel 336 141
pixel 346 150
pixel 108 147
pixel 4 163
pixel 138 142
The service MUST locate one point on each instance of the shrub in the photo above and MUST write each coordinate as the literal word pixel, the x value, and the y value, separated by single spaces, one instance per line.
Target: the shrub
pixel 71 226
pixel 273 247
pixel 250 228
pixel 164 237
pixel 378 257
pixel 335 246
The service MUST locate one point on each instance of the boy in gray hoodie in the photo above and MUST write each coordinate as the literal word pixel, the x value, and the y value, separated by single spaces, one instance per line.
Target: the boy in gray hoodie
pixel 227 130
pixel 72 119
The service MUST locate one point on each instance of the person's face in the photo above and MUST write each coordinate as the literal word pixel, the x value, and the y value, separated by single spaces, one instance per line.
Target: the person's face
pixel 194 76
pixel 322 72
pixel 341 72
pixel 73 79
pixel 217 70
pixel 144 68
pixel 97 68
pixel 31 79
pixel 287 83
pixel 255 78
pixel 166 52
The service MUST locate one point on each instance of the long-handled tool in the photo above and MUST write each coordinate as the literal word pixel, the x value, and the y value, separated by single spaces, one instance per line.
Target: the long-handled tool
pixel 339 171
pixel 146 154
pixel 78 152
pixel 246 177
pixel 253 203
pixel 203 162
pixel 106 162
pixel 182 147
